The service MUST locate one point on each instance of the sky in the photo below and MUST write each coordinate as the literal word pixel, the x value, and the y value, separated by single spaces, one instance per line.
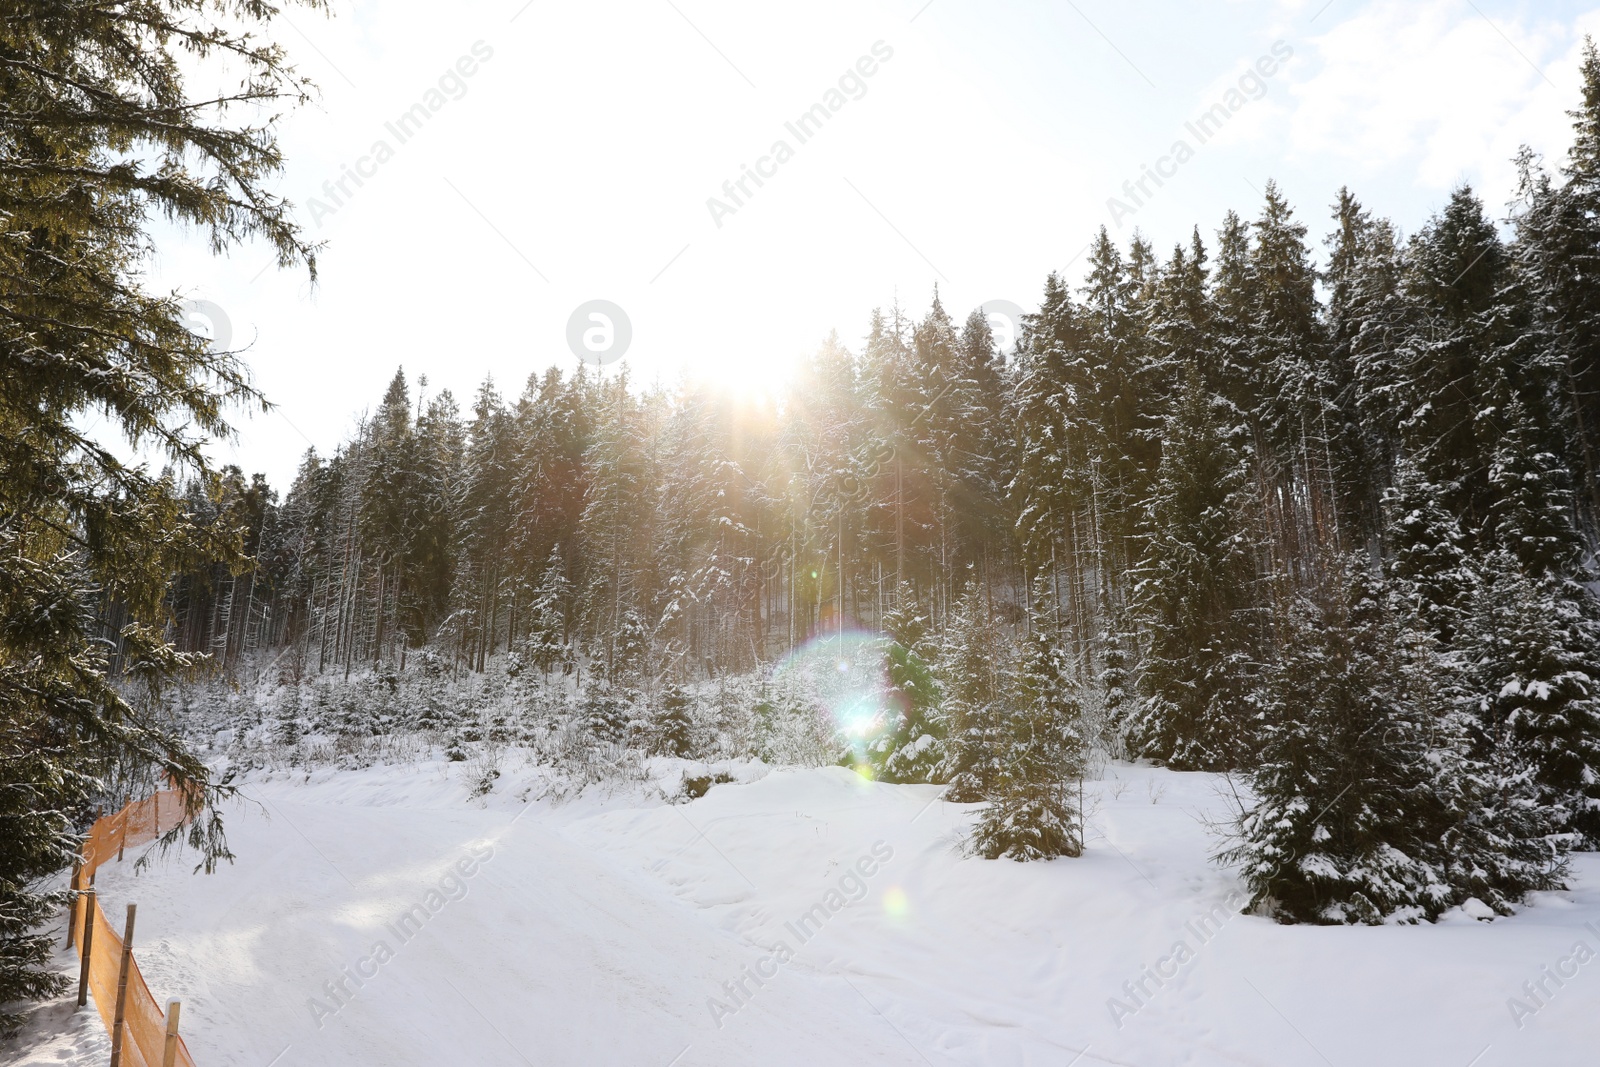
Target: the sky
pixel 560 154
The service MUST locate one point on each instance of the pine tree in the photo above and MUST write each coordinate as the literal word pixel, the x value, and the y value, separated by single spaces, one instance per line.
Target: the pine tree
pixel 1195 595
pixel 547 626
pixel 1033 813
pixel 673 726
pixel 1455 272
pixel 972 677
pixel 1428 560
pixel 1534 675
pixel 912 748
pixel 99 134
pixel 1367 807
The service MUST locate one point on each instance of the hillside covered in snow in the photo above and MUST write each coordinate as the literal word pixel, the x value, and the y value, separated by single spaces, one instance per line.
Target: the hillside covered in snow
pixel 385 915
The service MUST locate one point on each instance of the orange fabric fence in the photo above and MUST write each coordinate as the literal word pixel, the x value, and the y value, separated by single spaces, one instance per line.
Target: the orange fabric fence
pixel 140 822
pixel 144 1022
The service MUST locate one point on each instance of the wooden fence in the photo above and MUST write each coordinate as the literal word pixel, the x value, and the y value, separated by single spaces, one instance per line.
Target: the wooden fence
pixel 142 1035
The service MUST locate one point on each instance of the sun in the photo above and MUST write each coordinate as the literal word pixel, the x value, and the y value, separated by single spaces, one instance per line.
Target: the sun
pixel 755 380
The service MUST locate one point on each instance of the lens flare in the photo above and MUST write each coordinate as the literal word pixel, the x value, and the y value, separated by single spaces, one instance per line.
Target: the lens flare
pixel 844 675
pixel 894 902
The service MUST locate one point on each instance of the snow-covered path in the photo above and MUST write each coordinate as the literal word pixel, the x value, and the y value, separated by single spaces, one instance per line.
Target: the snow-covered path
pixel 806 917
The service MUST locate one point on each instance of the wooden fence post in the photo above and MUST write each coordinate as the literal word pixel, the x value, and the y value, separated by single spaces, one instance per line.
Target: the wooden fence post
pixel 99 813
pixel 122 830
pixel 89 907
pixel 169 1054
pixel 122 989
pixel 72 908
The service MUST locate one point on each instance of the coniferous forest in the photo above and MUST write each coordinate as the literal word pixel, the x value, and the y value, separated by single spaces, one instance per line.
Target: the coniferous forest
pixel 1331 527
pixel 1299 498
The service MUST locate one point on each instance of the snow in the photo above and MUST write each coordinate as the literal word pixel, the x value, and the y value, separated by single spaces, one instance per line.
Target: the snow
pixel 613 927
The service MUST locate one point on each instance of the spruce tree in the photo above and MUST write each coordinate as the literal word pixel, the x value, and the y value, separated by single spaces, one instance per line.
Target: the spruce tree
pixel 1287 345
pixel 1361 280
pixel 1115 405
pixel 602 711
pixel 1533 672
pixel 1558 230
pixel 1366 312
pixel 1340 828
pixel 1455 273
pixel 1033 812
pixel 99 135
pixel 614 700
pixel 1531 514
pixel 972 672
pixel 1195 591
pixel 546 641
pixel 1427 556
pixel 1368 805
pixel 1041 492
pixel 912 747
pixel 1536 630
pixel 673 726
pixel 1116 687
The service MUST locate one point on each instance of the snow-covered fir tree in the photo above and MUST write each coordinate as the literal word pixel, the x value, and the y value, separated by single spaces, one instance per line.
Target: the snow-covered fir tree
pixel 973 669
pixel 911 747
pixel 1033 811
pixel 673 725
pixel 1427 556
pixel 1367 804
pixel 546 641
pixel 1195 596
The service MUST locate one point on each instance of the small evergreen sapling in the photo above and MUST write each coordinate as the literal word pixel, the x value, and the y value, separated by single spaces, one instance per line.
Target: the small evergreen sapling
pixel 1033 814
pixel 912 747
pixel 972 670
pixel 602 712
pixel 546 643
pixel 673 724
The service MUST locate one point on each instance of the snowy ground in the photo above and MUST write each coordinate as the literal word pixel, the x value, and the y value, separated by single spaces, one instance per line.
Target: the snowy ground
pixel 614 930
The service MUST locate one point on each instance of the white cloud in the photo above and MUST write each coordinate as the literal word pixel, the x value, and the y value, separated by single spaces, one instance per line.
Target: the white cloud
pixel 1438 89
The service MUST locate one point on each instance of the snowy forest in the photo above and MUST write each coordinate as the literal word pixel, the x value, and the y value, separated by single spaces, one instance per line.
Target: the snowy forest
pixel 1300 500
pixel 1322 513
